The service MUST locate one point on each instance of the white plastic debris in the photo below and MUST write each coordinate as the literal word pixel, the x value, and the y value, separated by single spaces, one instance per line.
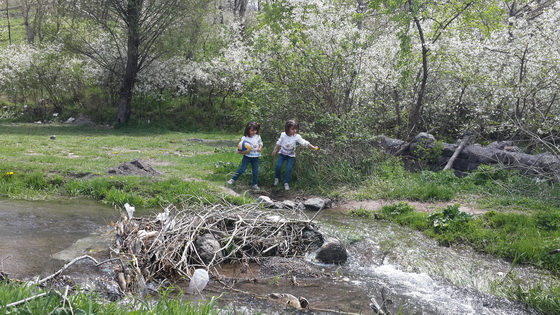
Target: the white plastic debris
pixel 129 210
pixel 199 280
pixel 163 216
pixel 167 217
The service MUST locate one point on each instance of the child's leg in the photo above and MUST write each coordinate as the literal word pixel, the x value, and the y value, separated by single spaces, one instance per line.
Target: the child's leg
pixel 289 166
pixel 279 164
pixel 255 169
pixel 242 168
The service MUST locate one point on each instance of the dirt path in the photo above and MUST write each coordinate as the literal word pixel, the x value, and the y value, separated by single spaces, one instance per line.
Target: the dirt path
pixel 376 205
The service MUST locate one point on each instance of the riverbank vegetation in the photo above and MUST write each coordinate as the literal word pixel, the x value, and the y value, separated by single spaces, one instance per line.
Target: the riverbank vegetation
pixel 520 223
pixel 521 238
pixel 48 301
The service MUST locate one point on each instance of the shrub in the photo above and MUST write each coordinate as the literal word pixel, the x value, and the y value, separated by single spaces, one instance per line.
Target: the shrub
pixel 449 218
pixel 396 209
pixel 548 220
pixel 361 212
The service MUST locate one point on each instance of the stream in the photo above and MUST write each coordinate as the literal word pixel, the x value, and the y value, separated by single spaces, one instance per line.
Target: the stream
pixel 399 268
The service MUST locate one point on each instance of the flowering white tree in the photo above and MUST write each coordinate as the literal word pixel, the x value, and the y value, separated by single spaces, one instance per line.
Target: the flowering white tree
pixel 33 73
pixel 316 62
pixel 340 67
pixel 501 84
pixel 422 25
pixel 141 32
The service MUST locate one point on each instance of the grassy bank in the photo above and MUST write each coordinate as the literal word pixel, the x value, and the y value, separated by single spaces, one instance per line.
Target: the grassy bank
pixel 52 161
pixel 44 301
pixel 520 238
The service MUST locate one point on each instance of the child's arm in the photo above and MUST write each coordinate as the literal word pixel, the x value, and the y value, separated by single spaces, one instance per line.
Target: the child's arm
pixel 276 148
pixel 309 145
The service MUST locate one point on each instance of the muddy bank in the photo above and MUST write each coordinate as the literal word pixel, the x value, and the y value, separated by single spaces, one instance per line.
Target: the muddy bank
pixel 376 205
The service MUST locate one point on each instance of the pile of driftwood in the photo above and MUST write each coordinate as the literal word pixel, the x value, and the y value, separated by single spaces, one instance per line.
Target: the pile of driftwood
pixel 168 245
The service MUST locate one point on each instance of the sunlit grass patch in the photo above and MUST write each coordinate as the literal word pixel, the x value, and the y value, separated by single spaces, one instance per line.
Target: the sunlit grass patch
pixel 541 297
pixel 525 238
pixel 186 160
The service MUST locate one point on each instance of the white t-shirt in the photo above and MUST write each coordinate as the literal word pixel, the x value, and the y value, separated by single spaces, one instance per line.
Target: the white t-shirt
pixel 255 142
pixel 288 143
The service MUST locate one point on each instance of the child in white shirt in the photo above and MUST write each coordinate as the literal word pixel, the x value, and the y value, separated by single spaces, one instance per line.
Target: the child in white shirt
pixel 287 146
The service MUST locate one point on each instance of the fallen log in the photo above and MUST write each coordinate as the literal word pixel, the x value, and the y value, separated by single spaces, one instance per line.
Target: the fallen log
pixel 464 142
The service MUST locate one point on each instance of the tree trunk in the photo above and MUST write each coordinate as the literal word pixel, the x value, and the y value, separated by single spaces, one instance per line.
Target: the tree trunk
pixel 8 19
pixel 414 116
pixel 134 9
pixel 30 33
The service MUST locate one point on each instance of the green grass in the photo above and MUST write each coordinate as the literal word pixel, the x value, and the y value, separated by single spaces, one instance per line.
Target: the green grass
pixel 34 166
pixel 17 30
pixel 53 302
pixel 490 188
pixel 522 223
pixel 527 239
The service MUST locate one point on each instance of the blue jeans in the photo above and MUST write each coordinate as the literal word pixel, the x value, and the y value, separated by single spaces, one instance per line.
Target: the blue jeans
pixel 289 166
pixel 254 166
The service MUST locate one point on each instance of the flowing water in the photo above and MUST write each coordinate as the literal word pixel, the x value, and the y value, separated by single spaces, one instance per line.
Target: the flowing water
pixel 399 268
pixel 38 237
pixel 402 270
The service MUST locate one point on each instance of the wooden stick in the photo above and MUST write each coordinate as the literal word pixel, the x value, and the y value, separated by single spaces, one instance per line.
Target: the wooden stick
pixel 73 262
pixel 27 299
pixel 457 151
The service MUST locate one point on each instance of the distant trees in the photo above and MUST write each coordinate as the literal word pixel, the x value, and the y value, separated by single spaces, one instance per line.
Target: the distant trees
pixel 394 67
pixel 430 21
pixel 141 31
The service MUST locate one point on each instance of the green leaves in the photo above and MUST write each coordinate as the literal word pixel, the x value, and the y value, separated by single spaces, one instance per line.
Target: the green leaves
pixel 450 217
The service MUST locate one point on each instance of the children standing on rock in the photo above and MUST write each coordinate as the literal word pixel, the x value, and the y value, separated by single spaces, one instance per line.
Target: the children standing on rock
pixel 286 147
pixel 251 135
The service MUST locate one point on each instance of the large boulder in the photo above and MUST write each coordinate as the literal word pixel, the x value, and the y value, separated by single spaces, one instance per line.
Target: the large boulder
pixel 332 252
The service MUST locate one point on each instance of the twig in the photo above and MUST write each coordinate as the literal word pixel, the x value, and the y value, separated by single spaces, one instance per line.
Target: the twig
pixel 27 299
pixel 315 215
pixel 73 262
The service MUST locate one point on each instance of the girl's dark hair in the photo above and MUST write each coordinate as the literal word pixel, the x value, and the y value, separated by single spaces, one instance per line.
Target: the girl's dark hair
pixel 289 124
pixel 252 125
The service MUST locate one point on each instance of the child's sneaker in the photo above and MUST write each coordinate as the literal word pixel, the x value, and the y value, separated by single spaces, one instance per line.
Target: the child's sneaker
pixel 286 186
pixel 275 182
pixel 255 187
pixel 231 181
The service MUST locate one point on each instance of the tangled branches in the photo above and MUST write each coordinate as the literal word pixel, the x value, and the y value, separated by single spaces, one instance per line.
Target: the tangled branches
pixel 173 243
